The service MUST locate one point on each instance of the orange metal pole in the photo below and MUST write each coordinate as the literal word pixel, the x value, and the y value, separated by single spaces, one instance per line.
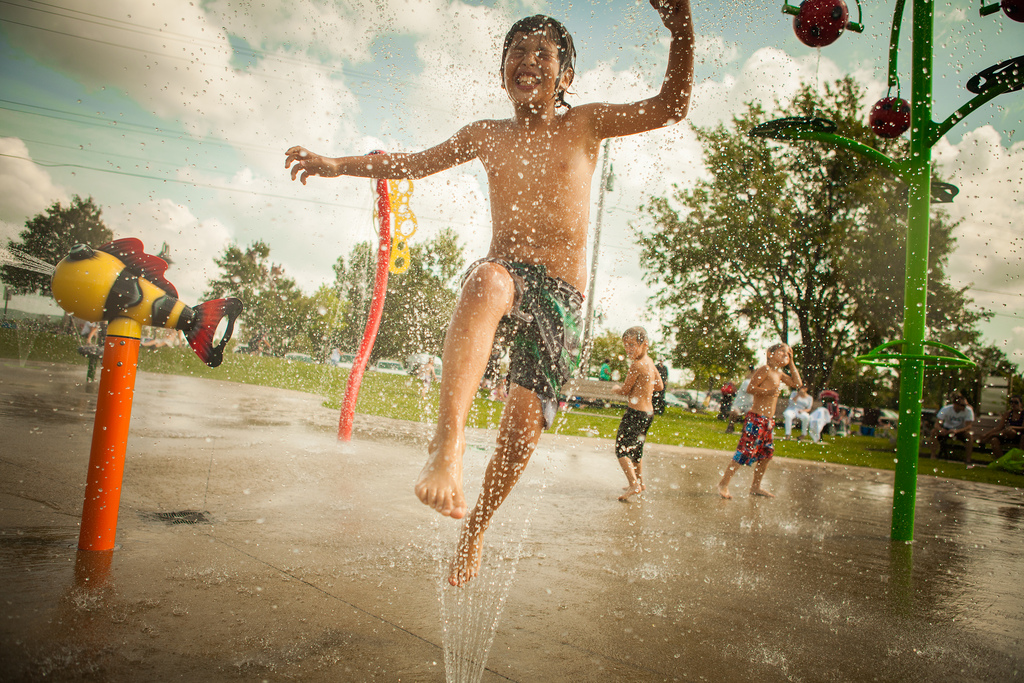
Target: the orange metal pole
pixel 110 435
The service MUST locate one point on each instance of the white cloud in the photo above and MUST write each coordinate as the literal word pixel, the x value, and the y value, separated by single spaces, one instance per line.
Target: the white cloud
pixel 990 240
pixel 193 242
pixel 25 188
pixel 176 62
pixel 714 48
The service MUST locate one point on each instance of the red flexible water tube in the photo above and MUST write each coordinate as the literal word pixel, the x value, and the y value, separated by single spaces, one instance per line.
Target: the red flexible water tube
pixel 380 288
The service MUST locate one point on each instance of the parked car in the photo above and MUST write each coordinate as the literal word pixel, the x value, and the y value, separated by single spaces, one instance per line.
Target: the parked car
pixel 392 367
pixel 299 358
pixel 673 400
pixel 342 360
pixel 695 400
pixel 888 418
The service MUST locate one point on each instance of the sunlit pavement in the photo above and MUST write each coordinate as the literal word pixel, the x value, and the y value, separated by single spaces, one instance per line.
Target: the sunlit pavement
pixel 316 563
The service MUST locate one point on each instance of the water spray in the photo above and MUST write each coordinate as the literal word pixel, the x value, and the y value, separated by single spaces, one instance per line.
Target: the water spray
pixel 890 119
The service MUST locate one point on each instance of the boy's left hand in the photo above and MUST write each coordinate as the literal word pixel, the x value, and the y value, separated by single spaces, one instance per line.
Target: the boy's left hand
pixel 675 14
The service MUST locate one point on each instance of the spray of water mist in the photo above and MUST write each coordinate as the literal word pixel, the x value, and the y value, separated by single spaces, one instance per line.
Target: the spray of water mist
pixel 19 259
pixel 470 614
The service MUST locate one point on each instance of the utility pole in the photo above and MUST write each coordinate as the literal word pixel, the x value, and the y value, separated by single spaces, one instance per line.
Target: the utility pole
pixel 606 182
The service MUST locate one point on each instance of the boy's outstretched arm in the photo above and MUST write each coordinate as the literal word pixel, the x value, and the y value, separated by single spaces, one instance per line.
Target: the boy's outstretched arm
pixel 672 103
pixel 460 148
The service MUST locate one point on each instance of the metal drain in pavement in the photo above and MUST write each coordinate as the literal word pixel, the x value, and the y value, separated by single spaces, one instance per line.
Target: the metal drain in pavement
pixel 179 517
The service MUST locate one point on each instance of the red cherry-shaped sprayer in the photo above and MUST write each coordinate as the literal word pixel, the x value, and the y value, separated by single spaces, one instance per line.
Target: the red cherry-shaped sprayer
pixel 821 22
pixel 1014 9
pixel 890 117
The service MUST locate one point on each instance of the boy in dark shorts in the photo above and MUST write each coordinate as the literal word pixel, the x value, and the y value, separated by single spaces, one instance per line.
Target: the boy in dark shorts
pixel 544 331
pixel 540 165
pixel 756 446
pixel 642 380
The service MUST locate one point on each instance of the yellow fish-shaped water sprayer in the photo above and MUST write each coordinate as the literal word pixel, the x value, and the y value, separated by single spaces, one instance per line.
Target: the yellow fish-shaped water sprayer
pixel 120 280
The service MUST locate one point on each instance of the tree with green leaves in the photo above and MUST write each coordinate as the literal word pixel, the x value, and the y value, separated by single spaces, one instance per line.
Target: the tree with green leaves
pixel 419 302
pixel 609 346
pixel 274 304
pixel 793 240
pixel 50 235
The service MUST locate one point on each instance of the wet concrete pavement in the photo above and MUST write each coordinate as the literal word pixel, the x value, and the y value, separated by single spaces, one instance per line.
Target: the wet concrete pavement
pixel 316 563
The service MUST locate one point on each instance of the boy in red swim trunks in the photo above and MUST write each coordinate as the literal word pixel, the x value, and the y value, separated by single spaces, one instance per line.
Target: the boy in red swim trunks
pixel 755 446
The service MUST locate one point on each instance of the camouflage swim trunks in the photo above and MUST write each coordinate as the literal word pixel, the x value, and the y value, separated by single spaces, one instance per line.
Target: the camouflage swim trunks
pixel 544 332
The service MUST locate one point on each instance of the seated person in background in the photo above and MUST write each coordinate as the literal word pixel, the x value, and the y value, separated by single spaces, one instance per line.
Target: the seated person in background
pixel 820 418
pixel 1009 429
pixel 799 408
pixel 90 331
pixel 954 421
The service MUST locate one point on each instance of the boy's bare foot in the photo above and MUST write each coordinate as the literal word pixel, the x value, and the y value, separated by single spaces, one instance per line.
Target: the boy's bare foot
pixel 761 492
pixel 440 483
pixel 466 563
pixel 723 491
pixel 630 491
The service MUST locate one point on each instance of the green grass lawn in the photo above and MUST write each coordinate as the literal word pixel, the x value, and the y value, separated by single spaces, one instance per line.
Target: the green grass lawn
pixel 397 396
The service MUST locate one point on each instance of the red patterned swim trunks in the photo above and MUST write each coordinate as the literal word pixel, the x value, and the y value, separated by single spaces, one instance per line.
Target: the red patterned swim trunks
pixel 756 441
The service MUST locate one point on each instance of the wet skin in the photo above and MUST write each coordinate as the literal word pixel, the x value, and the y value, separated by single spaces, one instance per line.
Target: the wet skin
pixel 539 166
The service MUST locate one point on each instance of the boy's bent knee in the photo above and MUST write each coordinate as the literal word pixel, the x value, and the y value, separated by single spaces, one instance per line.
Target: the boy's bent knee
pixel 489 279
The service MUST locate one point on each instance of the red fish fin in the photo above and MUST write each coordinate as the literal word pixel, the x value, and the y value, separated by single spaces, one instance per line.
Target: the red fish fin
pixel 131 252
pixel 207 317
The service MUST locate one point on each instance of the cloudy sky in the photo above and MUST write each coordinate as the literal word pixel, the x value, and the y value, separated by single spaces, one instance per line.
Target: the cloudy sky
pixel 174 116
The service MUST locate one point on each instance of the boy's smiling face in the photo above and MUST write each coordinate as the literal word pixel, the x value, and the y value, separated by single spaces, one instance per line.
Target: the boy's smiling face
pixel 634 348
pixel 530 74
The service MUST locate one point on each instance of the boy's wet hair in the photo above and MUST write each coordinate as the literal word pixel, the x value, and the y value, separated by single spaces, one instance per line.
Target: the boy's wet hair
pixel 775 347
pixel 553 29
pixel 637 333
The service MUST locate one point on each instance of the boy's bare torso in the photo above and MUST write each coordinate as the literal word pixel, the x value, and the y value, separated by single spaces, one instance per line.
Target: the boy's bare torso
pixel 539 178
pixel 769 381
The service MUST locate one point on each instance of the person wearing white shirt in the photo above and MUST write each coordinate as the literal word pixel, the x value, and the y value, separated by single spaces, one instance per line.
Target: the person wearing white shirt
pixel 954 421
pixel 799 408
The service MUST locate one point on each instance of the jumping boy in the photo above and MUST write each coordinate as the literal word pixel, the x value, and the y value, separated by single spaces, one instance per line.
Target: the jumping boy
pixel 755 446
pixel 642 380
pixel 539 166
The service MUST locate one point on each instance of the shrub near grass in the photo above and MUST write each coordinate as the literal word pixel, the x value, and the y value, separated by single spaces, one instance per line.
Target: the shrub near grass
pixel 397 396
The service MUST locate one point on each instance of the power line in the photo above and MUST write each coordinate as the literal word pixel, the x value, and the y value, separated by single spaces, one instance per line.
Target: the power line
pixel 137 128
pixel 992 291
pixel 192 183
pixel 84 150
pixel 191 40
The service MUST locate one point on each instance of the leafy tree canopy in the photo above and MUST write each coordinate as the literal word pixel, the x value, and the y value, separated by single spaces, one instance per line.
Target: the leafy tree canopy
pixel 419 302
pixel 793 238
pixel 274 304
pixel 50 235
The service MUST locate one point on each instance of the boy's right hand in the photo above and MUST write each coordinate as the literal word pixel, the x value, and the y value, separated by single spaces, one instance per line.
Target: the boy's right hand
pixel 675 14
pixel 305 161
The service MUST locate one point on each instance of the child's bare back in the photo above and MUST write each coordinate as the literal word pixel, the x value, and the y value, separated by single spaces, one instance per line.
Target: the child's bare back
pixel 642 380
